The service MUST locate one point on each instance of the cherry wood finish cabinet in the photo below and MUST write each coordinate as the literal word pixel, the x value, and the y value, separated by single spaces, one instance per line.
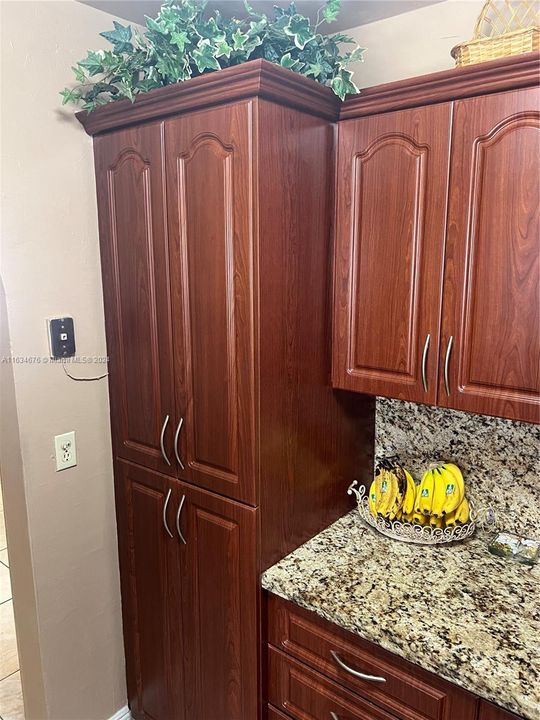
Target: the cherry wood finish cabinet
pixel 314 667
pixel 391 204
pixel 437 250
pixel 491 292
pixel 231 447
pixel 135 268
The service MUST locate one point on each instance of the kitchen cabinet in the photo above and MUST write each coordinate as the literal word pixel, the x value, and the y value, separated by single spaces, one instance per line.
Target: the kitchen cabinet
pixel 208 165
pixel 392 181
pixel 231 447
pixel 135 267
pixel 220 598
pixel 437 250
pixel 490 352
pixel 150 556
pixel 317 668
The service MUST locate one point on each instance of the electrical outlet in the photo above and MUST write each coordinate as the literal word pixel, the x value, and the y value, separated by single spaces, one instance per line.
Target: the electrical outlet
pixel 66 450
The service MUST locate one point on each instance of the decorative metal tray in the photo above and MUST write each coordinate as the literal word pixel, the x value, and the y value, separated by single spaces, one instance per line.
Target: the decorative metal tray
pixel 406 532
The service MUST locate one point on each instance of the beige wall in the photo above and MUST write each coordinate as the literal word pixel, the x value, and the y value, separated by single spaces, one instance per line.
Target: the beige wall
pixel 415 42
pixel 50 267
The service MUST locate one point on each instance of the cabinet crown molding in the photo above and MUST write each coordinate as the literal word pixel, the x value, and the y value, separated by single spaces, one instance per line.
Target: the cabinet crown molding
pixel 495 76
pixel 256 78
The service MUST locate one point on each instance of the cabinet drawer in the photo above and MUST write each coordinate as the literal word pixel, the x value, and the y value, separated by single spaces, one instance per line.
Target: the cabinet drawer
pixel 407 689
pixel 306 695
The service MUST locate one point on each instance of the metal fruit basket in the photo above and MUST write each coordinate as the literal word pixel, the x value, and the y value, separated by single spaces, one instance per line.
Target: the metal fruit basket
pixel 406 532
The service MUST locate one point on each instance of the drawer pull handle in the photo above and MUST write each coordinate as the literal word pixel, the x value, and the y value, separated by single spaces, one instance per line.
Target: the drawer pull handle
pixel 424 363
pixel 351 671
pixel 165 505
pixel 176 436
pixel 333 716
pixel 162 440
pixel 178 515
pixel 447 364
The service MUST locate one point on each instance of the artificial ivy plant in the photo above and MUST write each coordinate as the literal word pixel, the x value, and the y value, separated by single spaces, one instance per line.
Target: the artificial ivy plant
pixel 185 41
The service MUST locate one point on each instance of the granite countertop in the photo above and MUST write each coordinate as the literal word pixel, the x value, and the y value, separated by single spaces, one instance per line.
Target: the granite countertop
pixel 457 611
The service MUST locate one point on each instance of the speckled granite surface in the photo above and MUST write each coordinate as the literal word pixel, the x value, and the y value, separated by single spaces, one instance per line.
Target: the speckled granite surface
pixel 458 611
pixel 500 459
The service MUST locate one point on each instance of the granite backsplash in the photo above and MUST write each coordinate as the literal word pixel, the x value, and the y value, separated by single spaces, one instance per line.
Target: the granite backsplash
pixel 500 459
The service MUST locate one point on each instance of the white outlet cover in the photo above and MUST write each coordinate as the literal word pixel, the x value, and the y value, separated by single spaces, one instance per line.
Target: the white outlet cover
pixel 65 450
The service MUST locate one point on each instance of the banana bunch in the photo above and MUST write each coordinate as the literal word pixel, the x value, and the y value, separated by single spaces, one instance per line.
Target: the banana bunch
pixel 438 500
pixel 392 492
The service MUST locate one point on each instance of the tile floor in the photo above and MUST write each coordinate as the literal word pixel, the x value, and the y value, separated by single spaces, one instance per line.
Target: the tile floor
pixel 11 702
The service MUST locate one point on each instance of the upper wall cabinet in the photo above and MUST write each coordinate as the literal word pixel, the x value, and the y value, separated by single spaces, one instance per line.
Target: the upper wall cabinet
pixel 435 309
pixel 490 354
pixel 134 251
pixel 392 182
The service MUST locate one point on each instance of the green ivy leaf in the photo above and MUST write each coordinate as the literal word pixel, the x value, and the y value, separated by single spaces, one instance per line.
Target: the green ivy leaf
pixel 180 39
pixel 239 40
pixel 357 55
pixel 331 10
pixel 223 49
pixel 342 84
pixel 299 29
pixel 70 96
pixel 120 37
pixel 79 74
pixel 291 64
pixel 93 63
pixel 204 57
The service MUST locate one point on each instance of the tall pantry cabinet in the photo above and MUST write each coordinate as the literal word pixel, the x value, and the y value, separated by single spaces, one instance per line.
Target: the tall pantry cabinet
pixel 231 449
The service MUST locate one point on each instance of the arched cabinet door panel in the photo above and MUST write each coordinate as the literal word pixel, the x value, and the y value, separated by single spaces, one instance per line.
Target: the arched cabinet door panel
pixel 209 159
pixel 134 255
pixel 490 347
pixel 391 201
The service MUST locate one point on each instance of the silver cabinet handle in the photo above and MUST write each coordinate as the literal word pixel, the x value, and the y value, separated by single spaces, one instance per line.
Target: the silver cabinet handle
pixel 162 440
pixel 424 362
pixel 176 436
pixel 447 364
pixel 351 671
pixel 178 515
pixel 165 506
pixel 333 716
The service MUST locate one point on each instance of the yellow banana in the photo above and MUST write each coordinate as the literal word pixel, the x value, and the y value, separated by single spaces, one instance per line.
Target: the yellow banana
pixel 436 522
pixel 372 498
pixel 454 487
pixel 391 492
pixel 463 512
pixel 410 494
pixel 460 515
pixel 424 495
pixel 439 492
pixel 419 519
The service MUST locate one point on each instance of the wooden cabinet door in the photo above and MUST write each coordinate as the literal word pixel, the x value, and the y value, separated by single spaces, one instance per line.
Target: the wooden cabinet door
pixel 391 201
pixel 134 256
pixel 491 309
pixel 210 196
pixel 220 618
pixel 150 579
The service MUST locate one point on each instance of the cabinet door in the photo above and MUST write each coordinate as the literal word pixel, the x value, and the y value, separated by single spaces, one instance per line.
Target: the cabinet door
pixel 134 255
pixel 208 174
pixel 391 200
pixel 220 594
pixel 150 573
pixel 490 346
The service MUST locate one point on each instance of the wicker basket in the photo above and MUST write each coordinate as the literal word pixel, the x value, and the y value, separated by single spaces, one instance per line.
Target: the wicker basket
pixel 503 28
